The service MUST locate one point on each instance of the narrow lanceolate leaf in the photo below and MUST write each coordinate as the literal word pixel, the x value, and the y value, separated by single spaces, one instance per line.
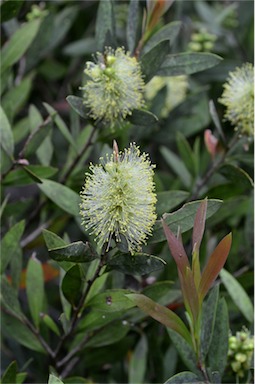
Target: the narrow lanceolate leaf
pixel 19 43
pixel 197 235
pixel 185 350
pixel 208 320
pixel 35 288
pixel 162 314
pixel 61 195
pixel 9 376
pixel 218 351
pixel 77 103
pixel 104 24
pixel 190 294
pixel 177 249
pixel 7 142
pixel 214 265
pixel 10 243
pixel 184 377
pixel 132 24
pixel 9 300
pixel 199 225
pixel 187 63
pixel 77 252
pixel 238 294
pixel 152 60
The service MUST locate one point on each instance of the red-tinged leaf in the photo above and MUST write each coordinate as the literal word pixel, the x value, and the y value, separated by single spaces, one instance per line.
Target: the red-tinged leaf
pixel 176 248
pixel 211 142
pixel 214 265
pixel 199 225
pixel 162 314
pixel 190 294
pixel 197 235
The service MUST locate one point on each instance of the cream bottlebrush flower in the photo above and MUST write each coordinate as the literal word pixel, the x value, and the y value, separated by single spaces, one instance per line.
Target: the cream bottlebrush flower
pixel 115 86
pixel 238 97
pixel 176 90
pixel 118 198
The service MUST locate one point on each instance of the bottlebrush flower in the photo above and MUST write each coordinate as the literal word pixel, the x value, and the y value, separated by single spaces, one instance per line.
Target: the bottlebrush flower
pixel 238 97
pixel 115 86
pixel 118 198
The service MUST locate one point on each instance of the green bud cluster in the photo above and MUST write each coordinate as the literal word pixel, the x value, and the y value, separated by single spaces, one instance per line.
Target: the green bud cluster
pixel 202 41
pixel 240 352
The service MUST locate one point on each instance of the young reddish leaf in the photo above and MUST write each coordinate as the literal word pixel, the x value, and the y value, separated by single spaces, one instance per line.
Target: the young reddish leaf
pixel 191 293
pixel 176 248
pixel 214 265
pixel 197 235
pixel 199 225
pixel 162 314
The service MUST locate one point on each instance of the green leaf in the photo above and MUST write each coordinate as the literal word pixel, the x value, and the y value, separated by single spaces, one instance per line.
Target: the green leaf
pixel 137 264
pixel 143 118
pixel 185 350
pixel 52 240
pixel 16 268
pixel 6 134
pixel 62 196
pixel 162 314
pixel 214 265
pixel 20 378
pixel 105 25
pixel 77 252
pixel 61 125
pixel 110 334
pixel 137 364
pixel 97 286
pixel 54 380
pixel 72 285
pixel 53 29
pixel 78 106
pixel 112 300
pixel 168 200
pixel 187 63
pixel 238 295
pixel 95 319
pixel 9 9
pixel 208 320
pixel 9 299
pixel 186 153
pixel 29 174
pixel 132 24
pixel 168 32
pixel 37 137
pixel 162 292
pixel 237 176
pixel 184 377
pixel 19 43
pixel 183 218
pixel 153 59
pixel 15 329
pixel 176 165
pixel 35 289
pixel 9 376
pixel 50 323
pixel 218 351
pixel 10 242
pixel 84 46
pixel 14 100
